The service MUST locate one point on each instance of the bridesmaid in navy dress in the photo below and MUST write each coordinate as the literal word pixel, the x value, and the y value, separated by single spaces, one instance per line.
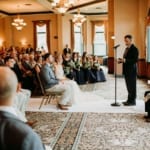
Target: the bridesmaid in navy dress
pixel 97 70
pixel 78 69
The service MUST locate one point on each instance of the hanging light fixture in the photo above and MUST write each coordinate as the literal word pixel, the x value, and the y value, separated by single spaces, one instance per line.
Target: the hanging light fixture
pixel 78 18
pixel 18 22
pixel 61 6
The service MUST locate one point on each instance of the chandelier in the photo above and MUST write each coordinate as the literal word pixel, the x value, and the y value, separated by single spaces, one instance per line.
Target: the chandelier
pixel 61 6
pixel 18 23
pixel 78 18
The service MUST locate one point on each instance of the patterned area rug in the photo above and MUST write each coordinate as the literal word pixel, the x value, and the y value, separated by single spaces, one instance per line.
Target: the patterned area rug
pixel 92 131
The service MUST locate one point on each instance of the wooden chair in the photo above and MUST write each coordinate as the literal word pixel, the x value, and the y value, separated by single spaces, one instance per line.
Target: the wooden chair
pixel 48 96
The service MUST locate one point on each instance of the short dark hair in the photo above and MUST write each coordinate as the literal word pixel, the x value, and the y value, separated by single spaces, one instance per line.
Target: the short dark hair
pixel 46 56
pixel 7 58
pixel 128 36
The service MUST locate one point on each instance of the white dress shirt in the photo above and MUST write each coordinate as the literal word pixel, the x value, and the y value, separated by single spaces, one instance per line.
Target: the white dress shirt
pixel 9 109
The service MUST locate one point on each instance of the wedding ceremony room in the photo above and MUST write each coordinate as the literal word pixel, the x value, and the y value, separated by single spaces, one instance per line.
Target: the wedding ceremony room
pixel 74 74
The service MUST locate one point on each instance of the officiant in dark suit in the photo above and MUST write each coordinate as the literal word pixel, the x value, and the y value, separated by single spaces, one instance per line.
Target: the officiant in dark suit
pixel 14 133
pixel 129 61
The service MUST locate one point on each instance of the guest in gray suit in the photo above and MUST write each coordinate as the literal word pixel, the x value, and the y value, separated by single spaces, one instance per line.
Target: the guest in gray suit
pixel 14 133
pixel 51 83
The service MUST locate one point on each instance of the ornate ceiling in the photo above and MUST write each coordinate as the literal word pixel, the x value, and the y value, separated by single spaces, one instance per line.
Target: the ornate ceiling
pixel 8 7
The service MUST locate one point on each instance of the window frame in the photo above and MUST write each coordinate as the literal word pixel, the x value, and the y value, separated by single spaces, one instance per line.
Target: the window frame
pixel 81 39
pixel 99 43
pixel 38 22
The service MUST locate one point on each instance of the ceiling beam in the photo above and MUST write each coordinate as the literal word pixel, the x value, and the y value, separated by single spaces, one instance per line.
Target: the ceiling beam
pixel 86 4
pixel 25 13
pixel 93 14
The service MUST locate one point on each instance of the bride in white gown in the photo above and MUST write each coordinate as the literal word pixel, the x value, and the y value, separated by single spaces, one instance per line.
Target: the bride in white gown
pixel 78 95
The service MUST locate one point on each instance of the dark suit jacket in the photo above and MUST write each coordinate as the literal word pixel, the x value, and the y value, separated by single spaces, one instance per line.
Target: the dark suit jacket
pixel 18 72
pixel 147 104
pixel 48 77
pixel 66 50
pixel 26 66
pixel 29 50
pixel 131 58
pixel 16 135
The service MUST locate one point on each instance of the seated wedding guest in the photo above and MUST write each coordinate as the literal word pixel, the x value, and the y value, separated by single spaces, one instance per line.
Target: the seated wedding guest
pixel 14 55
pixel 2 57
pixel 79 77
pixel 27 73
pixel 14 133
pixel 55 54
pixel 147 105
pixel 68 66
pixel 51 83
pixel 10 62
pixel 32 62
pixel 38 64
pixel 97 70
pixel 26 64
pixel 1 61
pixel 87 65
pixel 23 95
pixel 37 69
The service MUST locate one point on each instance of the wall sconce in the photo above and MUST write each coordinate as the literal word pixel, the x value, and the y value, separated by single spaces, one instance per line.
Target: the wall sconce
pixel 1 42
pixel 23 42
pixel 113 37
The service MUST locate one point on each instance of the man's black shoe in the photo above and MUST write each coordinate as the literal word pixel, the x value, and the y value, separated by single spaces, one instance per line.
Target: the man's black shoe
pixel 146 117
pixel 125 102
pixel 148 120
pixel 129 104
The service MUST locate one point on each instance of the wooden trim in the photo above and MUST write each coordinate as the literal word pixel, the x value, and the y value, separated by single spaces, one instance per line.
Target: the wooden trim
pixel 26 13
pixel 141 65
pixel 91 14
pixel 110 64
pixel 72 35
pixel 148 70
pixel 86 4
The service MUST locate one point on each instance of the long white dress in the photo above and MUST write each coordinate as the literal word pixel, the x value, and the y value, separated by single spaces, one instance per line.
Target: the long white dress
pixel 78 95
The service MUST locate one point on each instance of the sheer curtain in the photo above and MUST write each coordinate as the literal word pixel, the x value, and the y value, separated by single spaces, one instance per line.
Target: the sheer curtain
pixel 96 23
pixel 148 37
pixel 84 36
pixel 83 32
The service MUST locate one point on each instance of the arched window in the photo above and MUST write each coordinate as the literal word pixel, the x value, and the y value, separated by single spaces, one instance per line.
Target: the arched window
pixel 41 35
